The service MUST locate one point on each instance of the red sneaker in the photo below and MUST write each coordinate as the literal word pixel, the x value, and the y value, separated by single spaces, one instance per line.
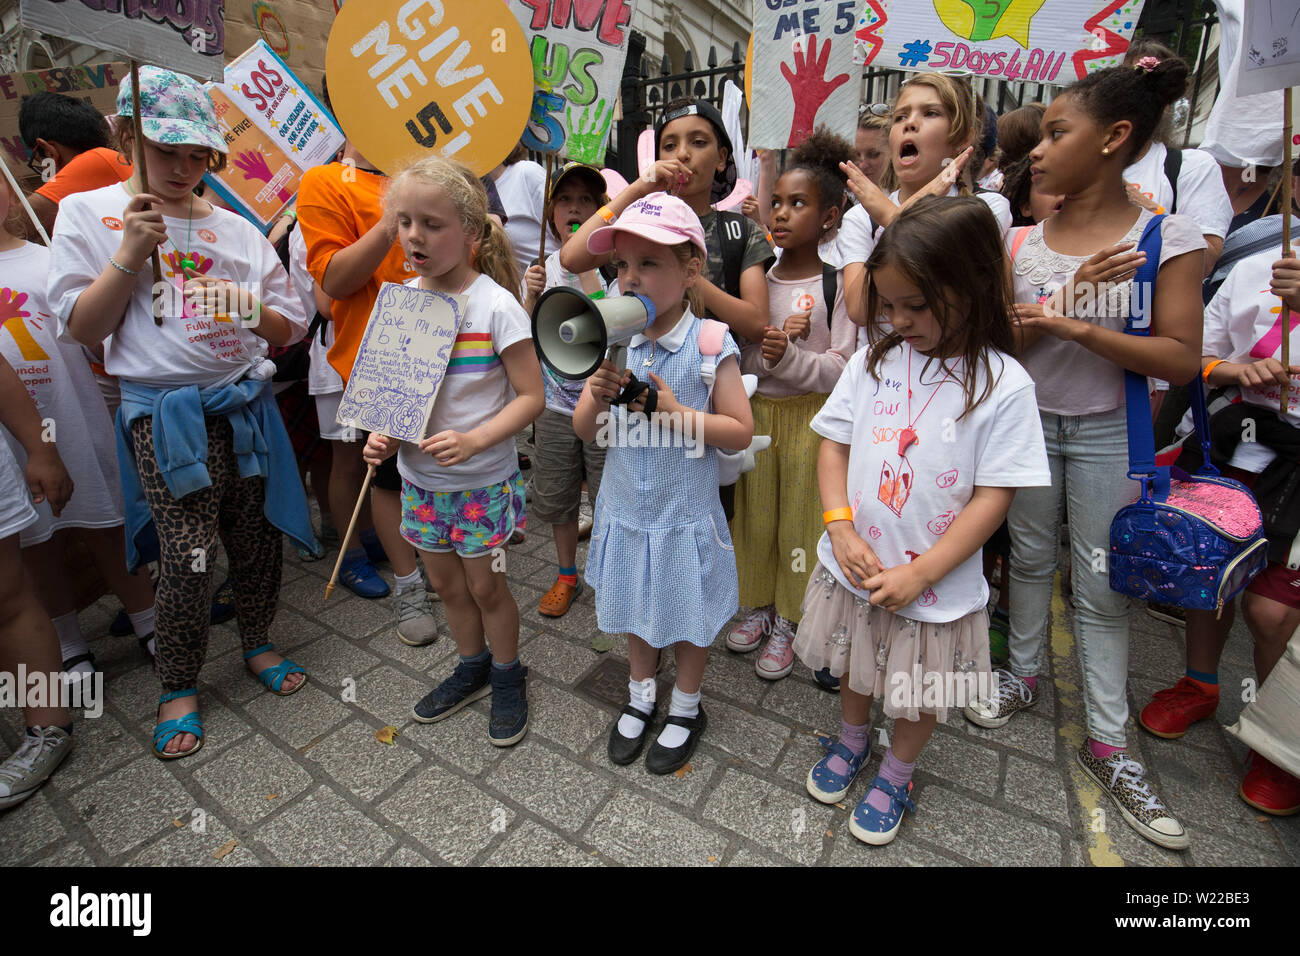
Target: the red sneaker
pixel 1269 788
pixel 1173 710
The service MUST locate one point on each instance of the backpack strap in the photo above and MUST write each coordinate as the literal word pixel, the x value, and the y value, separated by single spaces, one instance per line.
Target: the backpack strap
pixel 830 288
pixel 711 338
pixel 1137 402
pixel 1173 165
pixel 1017 239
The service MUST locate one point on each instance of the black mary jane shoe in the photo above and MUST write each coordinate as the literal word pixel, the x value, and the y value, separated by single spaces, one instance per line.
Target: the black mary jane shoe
pixel 623 750
pixel 662 760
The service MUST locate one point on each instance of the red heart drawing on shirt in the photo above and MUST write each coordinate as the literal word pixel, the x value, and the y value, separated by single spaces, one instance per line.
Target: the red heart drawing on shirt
pixel 873 531
pixel 927 598
pixel 947 479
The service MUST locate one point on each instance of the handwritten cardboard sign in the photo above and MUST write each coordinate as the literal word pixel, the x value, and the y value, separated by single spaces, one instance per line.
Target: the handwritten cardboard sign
pixel 577 52
pixel 275 130
pixel 188 37
pixel 408 77
pixel 1270 54
pixel 97 82
pixel 402 361
pixel 804 75
pixel 1043 41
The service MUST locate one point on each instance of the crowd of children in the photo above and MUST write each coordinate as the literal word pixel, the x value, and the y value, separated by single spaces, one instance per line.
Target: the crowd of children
pixel 896 318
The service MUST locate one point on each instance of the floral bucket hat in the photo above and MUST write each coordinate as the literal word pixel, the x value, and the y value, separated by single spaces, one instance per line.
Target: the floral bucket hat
pixel 174 109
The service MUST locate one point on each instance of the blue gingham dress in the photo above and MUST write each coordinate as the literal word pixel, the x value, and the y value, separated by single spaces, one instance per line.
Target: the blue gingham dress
pixel 661 559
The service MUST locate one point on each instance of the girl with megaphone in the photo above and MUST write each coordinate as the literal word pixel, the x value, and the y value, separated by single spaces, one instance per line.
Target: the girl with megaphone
pixel 661 560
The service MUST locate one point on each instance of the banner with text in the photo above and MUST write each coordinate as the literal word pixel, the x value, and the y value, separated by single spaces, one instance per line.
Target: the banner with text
pixel 402 361
pixel 97 83
pixel 275 130
pixel 577 52
pixel 1043 41
pixel 803 71
pixel 189 37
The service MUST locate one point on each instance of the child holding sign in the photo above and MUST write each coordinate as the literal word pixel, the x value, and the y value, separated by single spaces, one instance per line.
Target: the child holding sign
pixel 661 559
pixel 201 445
pixel 798 363
pixel 462 493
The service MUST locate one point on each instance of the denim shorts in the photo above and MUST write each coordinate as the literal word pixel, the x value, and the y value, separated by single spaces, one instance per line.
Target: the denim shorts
pixel 471 523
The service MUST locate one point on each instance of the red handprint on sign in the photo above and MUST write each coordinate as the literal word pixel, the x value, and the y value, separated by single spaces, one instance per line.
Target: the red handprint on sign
pixel 810 87
pixel 253 165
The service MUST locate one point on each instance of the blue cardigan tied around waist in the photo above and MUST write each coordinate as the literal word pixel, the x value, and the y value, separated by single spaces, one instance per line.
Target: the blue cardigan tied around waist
pixel 180 438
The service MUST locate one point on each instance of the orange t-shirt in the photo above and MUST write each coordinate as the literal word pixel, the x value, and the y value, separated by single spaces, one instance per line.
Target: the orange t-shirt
pixel 333 214
pixel 86 171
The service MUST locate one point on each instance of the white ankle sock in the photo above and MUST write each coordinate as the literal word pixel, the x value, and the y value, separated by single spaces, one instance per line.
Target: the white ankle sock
pixel 683 705
pixel 71 641
pixel 142 622
pixel 405 581
pixel 641 695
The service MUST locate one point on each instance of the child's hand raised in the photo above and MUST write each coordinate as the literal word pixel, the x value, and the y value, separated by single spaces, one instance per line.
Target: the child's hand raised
pixel 379 448
pixel 535 280
pixel 450 448
pixel 1286 281
pixel 775 342
pixel 607 381
pixel 896 587
pixel 854 556
pixel 946 179
pixel 667 175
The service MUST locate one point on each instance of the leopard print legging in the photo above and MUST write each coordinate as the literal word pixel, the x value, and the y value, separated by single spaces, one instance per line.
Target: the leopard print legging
pixel 232 507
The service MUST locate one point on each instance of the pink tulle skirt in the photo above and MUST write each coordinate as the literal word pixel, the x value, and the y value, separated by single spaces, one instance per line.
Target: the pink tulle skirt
pixel 914 667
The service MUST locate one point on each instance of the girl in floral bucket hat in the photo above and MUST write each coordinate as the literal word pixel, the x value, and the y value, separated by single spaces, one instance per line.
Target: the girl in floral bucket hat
pixel 202 448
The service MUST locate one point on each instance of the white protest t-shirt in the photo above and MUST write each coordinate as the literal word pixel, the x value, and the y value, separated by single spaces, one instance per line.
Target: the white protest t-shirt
pixel 522 188
pixel 1243 323
pixel 1201 193
pixel 205 351
pixel 475 388
pixel 562 394
pixel 903 504
pixel 322 378
pixel 60 383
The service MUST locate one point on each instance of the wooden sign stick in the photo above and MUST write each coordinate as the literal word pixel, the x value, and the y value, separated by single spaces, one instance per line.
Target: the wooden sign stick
pixel 352 525
pixel 138 135
pixel 1286 237
pixel 546 194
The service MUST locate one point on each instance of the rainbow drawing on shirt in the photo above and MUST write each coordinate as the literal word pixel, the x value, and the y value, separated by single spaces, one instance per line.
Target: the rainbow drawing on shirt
pixel 473 353
pixel 11 320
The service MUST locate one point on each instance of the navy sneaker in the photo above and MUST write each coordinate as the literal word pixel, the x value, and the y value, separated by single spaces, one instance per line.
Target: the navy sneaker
pixel 360 577
pixel 509 721
pixel 223 603
pixel 825 681
pixel 467 683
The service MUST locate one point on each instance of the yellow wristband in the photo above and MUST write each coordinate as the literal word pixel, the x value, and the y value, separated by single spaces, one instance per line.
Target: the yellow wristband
pixel 837 514
pixel 1205 373
pixel 604 212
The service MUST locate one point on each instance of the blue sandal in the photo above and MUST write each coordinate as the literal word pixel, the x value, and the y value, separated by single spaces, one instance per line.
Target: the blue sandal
pixel 870 825
pixel 273 677
pixel 191 723
pixel 824 784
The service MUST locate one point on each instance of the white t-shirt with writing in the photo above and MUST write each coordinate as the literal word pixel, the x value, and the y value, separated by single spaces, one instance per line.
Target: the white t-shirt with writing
pixel 1201 193
pixel 475 388
pixel 59 382
pixel 207 351
pixel 522 188
pixel 902 504
pixel 1243 323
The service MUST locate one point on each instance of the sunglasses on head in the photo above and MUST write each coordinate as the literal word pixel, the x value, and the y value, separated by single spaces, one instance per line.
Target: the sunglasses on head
pixel 875 109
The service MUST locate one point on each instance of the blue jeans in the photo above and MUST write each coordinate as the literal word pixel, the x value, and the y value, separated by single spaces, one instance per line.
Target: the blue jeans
pixel 1088 457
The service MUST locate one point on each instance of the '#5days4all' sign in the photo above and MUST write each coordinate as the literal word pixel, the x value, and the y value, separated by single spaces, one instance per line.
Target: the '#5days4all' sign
pixel 410 76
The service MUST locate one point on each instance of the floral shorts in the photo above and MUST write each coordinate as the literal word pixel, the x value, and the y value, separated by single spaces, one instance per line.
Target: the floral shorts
pixel 471 523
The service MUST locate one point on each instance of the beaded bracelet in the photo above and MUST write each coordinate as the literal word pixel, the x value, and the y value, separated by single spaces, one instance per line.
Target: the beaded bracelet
pixel 121 268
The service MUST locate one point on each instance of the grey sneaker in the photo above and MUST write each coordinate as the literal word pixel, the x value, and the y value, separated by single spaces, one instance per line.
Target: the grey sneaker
pixel 31 764
pixel 1121 778
pixel 416 625
pixel 1012 696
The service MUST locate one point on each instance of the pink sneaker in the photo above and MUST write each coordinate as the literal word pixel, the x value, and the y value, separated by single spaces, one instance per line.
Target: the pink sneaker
pixel 750 632
pixel 777 659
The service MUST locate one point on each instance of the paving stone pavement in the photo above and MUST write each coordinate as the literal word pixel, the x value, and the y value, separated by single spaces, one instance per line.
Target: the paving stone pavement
pixel 303 779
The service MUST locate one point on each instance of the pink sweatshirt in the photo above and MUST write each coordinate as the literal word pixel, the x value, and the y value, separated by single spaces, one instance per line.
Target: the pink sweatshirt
pixel 812 364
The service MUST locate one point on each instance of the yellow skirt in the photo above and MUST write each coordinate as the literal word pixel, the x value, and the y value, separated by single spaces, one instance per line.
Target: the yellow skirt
pixel 778 517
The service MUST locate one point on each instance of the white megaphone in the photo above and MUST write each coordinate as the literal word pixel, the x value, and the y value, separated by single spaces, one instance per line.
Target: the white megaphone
pixel 574 333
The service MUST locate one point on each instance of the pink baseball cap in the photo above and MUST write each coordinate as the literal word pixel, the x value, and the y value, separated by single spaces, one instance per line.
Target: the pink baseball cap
pixel 658 217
